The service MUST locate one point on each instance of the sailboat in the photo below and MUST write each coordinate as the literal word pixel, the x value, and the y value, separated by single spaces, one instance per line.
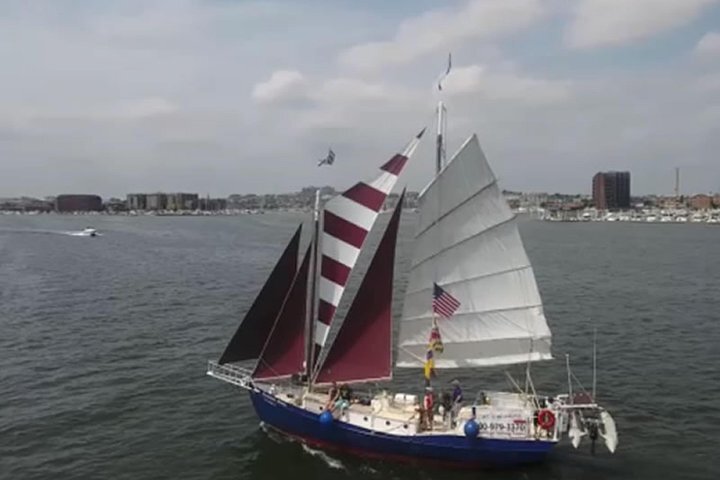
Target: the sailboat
pixel 468 247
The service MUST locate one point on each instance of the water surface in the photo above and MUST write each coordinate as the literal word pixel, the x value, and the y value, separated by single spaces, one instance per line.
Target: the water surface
pixel 104 343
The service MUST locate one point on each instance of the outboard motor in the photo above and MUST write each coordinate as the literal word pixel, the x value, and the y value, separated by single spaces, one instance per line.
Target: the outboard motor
pixel 593 433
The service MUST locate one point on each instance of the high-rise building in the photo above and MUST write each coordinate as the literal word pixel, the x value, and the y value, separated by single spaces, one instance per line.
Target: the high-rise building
pixel 611 190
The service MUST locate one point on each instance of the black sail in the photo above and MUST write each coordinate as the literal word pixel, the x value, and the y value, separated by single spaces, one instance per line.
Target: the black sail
pixel 251 335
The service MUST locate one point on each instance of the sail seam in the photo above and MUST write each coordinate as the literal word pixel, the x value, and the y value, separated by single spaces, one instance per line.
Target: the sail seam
pixel 469 279
pixel 476 312
pixel 545 338
pixel 475 235
pixel 494 182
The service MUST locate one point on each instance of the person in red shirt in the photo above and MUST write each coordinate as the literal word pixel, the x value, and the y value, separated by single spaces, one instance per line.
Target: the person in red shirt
pixel 428 407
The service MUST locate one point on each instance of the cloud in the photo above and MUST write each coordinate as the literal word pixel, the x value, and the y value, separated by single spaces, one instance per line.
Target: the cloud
pixel 291 86
pixel 138 109
pixel 441 30
pixel 283 86
pixel 709 46
pixel 476 80
pixel 224 97
pixel 608 23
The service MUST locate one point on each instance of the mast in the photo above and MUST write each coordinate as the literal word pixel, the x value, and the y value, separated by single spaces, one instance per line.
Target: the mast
pixel 441 130
pixel 310 325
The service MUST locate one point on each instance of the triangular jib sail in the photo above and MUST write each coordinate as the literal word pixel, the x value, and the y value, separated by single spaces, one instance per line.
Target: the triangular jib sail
pixel 253 332
pixel 284 352
pixel 468 242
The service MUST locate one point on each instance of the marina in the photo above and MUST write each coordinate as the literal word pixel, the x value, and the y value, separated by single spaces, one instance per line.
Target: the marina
pixel 710 217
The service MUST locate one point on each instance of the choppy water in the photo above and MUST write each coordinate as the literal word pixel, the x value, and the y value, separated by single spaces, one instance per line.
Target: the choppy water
pixel 103 344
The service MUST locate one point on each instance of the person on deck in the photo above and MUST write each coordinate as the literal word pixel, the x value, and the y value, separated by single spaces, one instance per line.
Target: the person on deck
pixel 447 404
pixel 344 397
pixel 428 407
pixel 457 399
pixel 333 396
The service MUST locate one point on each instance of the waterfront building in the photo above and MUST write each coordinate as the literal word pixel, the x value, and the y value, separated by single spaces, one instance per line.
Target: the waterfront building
pixel 156 201
pixel 213 204
pixel 182 201
pixel 26 204
pixel 611 190
pixel 701 202
pixel 78 203
pixel 115 205
pixel 136 201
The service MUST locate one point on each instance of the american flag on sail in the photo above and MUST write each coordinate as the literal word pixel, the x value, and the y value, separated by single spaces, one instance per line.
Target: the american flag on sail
pixel 443 303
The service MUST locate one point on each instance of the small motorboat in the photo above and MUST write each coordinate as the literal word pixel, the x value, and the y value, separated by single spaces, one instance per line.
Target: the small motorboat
pixel 88 232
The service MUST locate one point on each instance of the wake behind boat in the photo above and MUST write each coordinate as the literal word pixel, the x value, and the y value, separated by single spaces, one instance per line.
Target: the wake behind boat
pixel 86 232
pixel 471 302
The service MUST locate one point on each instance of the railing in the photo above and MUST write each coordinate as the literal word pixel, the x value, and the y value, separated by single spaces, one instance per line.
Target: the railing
pixel 233 374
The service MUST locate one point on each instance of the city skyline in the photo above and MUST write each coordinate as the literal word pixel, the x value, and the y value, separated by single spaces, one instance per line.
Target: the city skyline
pixel 669 192
pixel 222 97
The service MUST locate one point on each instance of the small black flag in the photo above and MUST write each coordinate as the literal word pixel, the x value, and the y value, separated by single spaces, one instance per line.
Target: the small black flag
pixel 327 160
pixel 447 72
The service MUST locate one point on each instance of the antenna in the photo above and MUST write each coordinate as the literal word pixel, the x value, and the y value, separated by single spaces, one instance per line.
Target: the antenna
pixel 677 182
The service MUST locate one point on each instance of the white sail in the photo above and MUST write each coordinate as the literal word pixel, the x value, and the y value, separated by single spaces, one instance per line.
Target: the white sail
pixel 469 244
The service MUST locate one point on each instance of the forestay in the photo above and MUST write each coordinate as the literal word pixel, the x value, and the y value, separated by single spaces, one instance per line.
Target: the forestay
pixel 468 242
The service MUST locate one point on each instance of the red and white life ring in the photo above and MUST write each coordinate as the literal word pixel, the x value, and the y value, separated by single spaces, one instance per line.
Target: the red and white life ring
pixel 546 419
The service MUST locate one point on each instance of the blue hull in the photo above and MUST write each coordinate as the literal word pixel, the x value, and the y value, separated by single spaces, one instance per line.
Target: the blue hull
pixel 447 450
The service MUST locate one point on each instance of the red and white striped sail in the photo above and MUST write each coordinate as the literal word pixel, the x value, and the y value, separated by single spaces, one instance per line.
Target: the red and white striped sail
pixel 347 219
pixel 362 350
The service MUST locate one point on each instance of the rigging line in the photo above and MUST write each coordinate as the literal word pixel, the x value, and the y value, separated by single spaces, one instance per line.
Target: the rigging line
pixel 416 357
pixel 582 387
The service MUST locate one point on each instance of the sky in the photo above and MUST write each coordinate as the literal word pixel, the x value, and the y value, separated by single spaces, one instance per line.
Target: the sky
pixel 229 96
